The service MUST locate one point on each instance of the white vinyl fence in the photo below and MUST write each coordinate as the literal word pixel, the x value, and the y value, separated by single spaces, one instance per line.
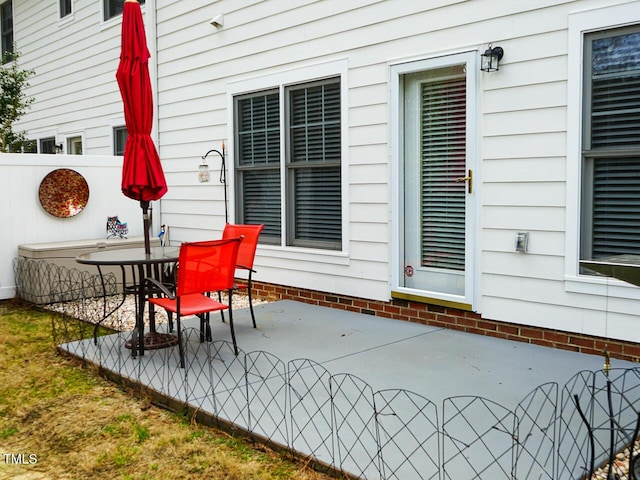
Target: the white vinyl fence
pixel 23 220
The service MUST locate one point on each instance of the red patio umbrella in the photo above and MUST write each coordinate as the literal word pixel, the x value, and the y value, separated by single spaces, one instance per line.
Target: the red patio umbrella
pixel 142 175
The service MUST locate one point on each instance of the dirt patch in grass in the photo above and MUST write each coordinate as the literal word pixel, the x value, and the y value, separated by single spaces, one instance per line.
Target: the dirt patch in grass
pixel 60 420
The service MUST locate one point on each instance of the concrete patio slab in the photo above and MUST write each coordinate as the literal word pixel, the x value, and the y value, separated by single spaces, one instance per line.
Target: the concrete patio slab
pixel 377 354
pixel 435 362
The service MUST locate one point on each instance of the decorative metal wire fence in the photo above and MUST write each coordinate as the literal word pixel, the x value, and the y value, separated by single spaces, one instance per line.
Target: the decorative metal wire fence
pixel 555 432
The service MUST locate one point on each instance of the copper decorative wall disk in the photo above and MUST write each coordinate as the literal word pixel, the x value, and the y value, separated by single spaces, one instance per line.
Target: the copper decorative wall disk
pixel 63 193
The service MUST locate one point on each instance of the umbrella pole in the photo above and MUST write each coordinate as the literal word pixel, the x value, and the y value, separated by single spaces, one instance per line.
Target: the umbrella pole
pixel 144 204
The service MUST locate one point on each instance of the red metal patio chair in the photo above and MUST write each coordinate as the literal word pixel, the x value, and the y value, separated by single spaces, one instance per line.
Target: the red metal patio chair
pixel 203 267
pixel 246 255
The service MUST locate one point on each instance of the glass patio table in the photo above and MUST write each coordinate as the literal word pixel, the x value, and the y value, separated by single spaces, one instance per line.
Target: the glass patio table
pixel 142 265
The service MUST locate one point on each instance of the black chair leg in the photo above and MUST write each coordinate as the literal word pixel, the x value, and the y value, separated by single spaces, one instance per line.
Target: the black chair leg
pixel 134 342
pixel 170 320
pixel 221 311
pixel 207 325
pixel 233 333
pixel 180 346
pixel 253 316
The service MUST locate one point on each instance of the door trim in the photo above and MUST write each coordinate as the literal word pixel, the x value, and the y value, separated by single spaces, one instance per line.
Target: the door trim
pixel 470 300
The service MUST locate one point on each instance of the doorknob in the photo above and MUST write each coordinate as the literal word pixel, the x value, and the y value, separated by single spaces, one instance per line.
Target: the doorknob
pixel 468 179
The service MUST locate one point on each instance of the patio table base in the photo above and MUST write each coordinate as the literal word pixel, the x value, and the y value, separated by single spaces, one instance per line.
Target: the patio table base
pixel 155 340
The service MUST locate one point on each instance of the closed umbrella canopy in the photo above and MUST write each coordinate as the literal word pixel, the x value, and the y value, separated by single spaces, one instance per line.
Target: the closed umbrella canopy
pixel 142 174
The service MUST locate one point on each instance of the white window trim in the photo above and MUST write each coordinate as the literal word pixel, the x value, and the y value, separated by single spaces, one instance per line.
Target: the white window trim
pixel 67 18
pixel 280 81
pixel 581 23
pixel 108 21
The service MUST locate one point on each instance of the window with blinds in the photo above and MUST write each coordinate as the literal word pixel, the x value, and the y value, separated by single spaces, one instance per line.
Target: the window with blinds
pixel 443 159
pixel 311 164
pixel 611 171
pixel 258 163
pixel 616 206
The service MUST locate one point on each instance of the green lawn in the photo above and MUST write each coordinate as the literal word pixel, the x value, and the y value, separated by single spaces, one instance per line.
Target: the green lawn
pixel 60 420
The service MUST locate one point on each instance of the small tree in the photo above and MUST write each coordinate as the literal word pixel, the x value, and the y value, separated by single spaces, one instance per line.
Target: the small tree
pixel 14 103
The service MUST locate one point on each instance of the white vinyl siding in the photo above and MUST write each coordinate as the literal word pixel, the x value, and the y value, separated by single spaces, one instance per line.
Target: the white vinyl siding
pixel 75 61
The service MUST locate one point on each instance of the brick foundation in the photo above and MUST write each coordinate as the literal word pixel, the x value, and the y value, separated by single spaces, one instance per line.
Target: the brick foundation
pixel 454 319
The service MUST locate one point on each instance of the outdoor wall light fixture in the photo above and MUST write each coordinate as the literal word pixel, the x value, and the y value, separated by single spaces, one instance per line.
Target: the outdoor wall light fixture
pixel 490 59
pixel 59 147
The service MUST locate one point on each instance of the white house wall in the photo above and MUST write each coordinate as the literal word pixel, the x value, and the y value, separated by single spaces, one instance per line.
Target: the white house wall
pixel 522 125
pixel 75 60
pixel 523 128
pixel 524 187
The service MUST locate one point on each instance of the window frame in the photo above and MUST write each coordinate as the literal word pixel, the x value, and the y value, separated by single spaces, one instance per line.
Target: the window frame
pixel 65 8
pixel 116 131
pixel 593 154
pixel 291 167
pixel 266 236
pixel 281 82
pixel 72 142
pixel 581 24
pixel 49 141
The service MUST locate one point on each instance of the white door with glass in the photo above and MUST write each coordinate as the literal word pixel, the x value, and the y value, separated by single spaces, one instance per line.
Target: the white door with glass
pixel 436 163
